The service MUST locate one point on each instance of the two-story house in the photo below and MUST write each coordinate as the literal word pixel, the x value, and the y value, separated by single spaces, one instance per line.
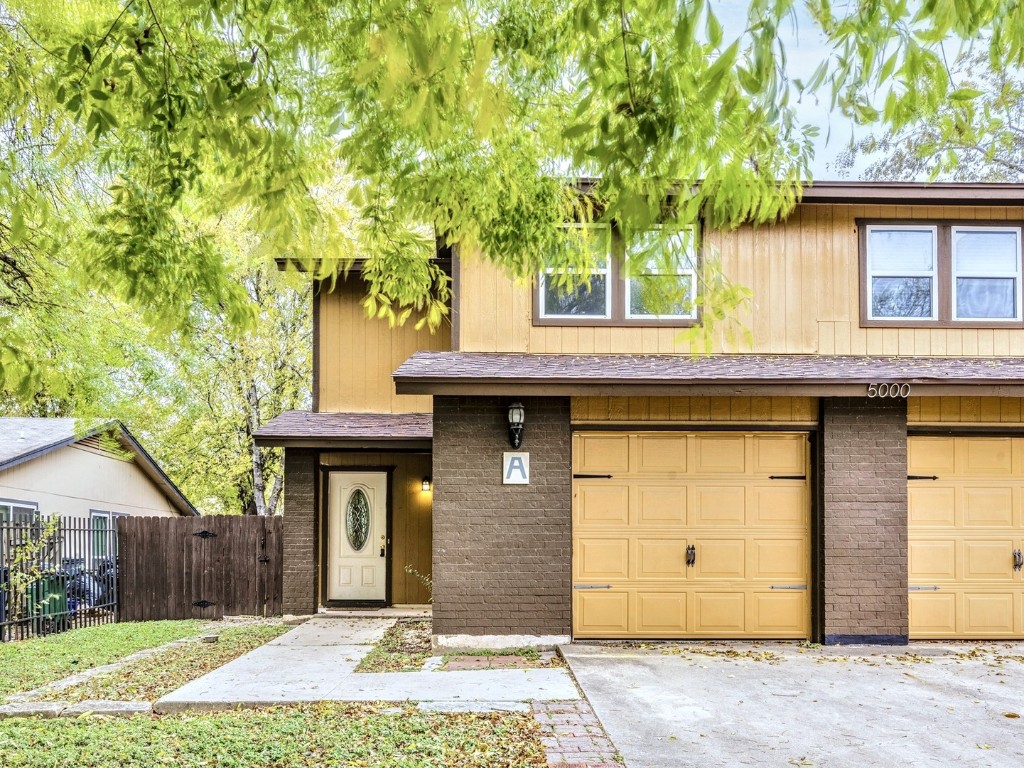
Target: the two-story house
pixel 852 470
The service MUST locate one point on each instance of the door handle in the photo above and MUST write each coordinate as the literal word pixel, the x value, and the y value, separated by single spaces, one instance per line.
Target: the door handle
pixel 691 555
pixel 383 542
pixel 1018 560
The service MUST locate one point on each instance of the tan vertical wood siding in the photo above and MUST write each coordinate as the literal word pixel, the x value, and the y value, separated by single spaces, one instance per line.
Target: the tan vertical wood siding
pixel 990 411
pixel 805 276
pixel 410 521
pixel 698 410
pixel 358 355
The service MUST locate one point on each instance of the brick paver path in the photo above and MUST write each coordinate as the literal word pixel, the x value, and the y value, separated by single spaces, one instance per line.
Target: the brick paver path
pixel 573 736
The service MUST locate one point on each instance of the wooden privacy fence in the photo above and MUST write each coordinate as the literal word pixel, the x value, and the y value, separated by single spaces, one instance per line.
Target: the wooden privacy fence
pixel 199 567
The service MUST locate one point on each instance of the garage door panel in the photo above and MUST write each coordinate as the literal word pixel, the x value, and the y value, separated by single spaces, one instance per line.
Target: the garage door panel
pixel 931 506
pixel 783 505
pixel 601 613
pixel 601 454
pixel 988 561
pixel 661 453
pixel 720 506
pixel 986 457
pixel 661 558
pixel 932 560
pixel 987 613
pixel 774 614
pixel 722 613
pixel 780 454
pixel 988 507
pixel 720 559
pixel 779 561
pixel 601 559
pixel 931 456
pixel 659 506
pixel 709 491
pixel 721 454
pixel 602 505
pixel 661 613
pixel 933 614
pixel 961 565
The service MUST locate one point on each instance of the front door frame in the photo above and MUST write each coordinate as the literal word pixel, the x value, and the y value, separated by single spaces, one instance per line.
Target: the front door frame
pixel 325 479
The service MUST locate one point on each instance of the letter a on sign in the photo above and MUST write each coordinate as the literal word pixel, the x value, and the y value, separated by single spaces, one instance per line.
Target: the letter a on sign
pixel 516 468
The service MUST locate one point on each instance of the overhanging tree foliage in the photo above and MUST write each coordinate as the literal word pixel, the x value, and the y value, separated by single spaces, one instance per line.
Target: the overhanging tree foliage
pixel 460 118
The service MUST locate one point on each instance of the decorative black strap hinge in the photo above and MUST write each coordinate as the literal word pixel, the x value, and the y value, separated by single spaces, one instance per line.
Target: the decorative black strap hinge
pixel 787 477
pixel 205 534
pixel 922 477
pixel 264 559
pixel 591 477
pixel 203 603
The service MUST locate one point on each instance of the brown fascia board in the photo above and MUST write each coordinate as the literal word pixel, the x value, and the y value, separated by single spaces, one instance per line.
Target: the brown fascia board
pixel 909 193
pixel 343 443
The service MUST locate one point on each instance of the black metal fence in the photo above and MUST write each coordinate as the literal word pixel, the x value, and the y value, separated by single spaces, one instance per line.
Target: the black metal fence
pixel 56 574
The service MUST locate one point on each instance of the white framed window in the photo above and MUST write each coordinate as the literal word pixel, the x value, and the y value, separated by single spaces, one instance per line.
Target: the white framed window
pixel 592 299
pixel 902 272
pixel 661 276
pixel 986 273
pixel 18 511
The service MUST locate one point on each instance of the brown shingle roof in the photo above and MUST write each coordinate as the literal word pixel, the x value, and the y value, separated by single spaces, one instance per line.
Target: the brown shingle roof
pixel 439 371
pixel 293 427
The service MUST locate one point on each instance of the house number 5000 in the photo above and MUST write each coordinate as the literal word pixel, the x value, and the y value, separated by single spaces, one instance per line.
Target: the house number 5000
pixel 888 390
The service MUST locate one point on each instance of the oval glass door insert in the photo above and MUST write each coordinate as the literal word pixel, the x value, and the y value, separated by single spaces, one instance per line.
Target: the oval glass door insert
pixel 357 519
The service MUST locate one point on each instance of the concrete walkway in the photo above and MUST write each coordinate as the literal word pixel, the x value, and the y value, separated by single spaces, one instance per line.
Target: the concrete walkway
pixel 730 705
pixel 315 662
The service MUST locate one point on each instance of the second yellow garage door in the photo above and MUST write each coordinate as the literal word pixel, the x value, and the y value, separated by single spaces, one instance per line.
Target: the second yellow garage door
pixel 681 535
pixel 966 520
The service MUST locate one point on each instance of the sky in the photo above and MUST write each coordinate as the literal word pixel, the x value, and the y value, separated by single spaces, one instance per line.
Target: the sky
pixel 805 50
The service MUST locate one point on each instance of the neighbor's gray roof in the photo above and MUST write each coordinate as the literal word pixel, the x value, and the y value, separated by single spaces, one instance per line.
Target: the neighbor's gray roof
pixel 295 428
pixel 25 439
pixel 451 372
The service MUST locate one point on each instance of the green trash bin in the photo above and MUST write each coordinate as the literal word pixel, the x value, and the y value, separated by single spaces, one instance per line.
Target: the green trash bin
pixel 48 602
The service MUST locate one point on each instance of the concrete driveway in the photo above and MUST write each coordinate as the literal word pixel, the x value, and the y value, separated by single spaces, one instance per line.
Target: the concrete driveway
pixel 783 705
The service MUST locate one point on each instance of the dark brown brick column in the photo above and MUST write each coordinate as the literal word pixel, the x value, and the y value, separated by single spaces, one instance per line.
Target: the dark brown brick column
pixel 865 520
pixel 300 566
pixel 502 553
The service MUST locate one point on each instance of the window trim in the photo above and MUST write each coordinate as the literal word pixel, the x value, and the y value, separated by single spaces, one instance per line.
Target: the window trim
pixel 945 274
pixel 609 293
pixel 618 289
pixel 30 505
pixel 110 516
pixel 1017 275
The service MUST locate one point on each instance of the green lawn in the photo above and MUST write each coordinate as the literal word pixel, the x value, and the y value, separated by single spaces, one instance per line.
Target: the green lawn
pixel 30 663
pixel 322 735
pixel 150 678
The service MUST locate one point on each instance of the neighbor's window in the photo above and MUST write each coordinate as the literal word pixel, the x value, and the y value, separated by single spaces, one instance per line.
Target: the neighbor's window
pixel 18 512
pixel 649 279
pixel 661 277
pixel 104 531
pixel 986 268
pixel 589 300
pixel 946 274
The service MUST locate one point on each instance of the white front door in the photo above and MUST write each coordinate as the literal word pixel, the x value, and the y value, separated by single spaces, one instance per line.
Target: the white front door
pixel 357 526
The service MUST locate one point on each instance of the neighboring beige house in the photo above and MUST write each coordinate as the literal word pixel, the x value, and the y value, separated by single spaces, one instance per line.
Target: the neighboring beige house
pixel 62 467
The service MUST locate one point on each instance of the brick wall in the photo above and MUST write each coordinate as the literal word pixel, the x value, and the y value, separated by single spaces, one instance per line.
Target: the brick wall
pixel 865 516
pixel 502 553
pixel 300 531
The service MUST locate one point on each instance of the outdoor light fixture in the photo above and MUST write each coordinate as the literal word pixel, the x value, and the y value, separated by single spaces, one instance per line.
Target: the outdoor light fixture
pixel 426 483
pixel 516 417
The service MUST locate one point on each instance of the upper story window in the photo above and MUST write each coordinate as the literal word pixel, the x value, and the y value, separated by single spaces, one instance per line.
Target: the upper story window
pixel 649 280
pixel 940 274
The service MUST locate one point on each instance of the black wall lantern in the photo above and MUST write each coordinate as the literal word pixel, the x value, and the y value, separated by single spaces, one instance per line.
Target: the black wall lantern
pixel 516 418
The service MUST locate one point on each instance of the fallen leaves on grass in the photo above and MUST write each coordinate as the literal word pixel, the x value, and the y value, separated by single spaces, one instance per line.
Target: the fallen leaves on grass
pixel 155 676
pixel 28 664
pixel 404 648
pixel 357 736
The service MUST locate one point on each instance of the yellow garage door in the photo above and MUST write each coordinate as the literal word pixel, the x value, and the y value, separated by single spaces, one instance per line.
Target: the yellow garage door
pixel 966 523
pixel 690 535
